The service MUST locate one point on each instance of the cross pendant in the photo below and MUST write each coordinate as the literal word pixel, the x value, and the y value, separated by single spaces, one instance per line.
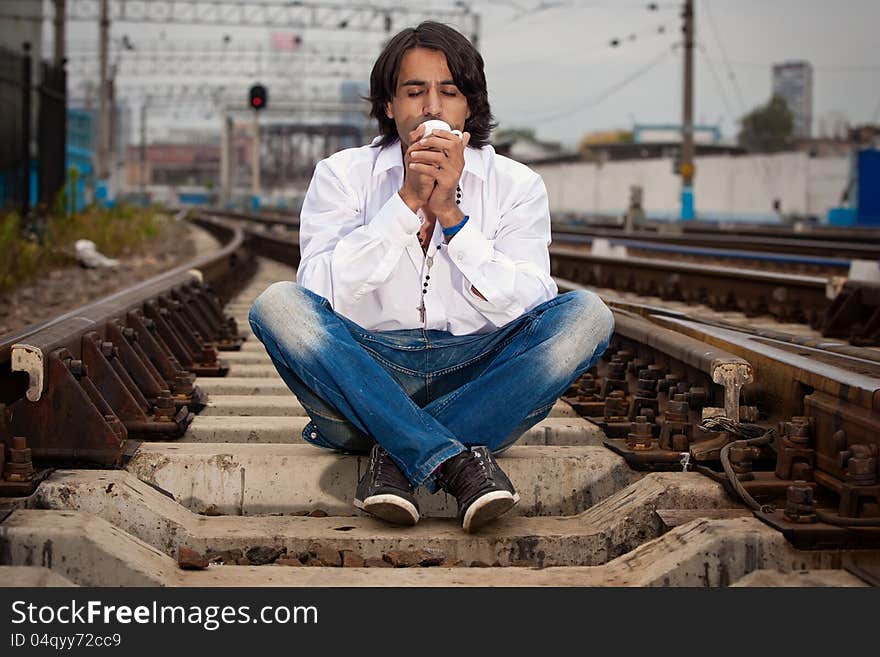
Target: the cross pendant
pixel 421 310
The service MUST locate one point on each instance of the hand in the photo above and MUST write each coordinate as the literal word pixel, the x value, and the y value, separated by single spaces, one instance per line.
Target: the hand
pixel 441 156
pixel 417 185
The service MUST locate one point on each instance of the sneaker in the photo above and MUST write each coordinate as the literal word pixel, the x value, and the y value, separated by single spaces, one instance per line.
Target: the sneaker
pixel 385 492
pixel 479 485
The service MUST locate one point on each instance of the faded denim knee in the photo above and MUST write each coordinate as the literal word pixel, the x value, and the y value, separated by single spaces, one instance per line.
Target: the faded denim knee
pixel 288 310
pixel 580 333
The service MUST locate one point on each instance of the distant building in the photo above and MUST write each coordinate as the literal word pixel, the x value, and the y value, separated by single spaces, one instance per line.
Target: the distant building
pixel 174 164
pixel 654 140
pixel 525 148
pixel 643 151
pixel 606 137
pixel 647 133
pixel 352 93
pixel 793 81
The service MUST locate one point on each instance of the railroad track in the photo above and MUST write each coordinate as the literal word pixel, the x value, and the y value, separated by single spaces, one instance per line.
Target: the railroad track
pixel 819 241
pixel 624 484
pixel 731 255
pixel 799 281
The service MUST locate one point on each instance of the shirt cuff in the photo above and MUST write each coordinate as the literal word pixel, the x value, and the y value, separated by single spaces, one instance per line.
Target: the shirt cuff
pixel 469 249
pixel 395 222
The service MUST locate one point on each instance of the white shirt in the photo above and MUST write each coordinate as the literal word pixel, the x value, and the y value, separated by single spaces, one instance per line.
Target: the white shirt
pixel 359 244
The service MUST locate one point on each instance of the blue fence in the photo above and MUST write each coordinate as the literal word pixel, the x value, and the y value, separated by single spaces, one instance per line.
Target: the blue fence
pixel 868 213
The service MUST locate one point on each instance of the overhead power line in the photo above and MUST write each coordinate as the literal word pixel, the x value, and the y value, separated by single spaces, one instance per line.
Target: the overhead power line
pixel 730 73
pixel 610 91
pixel 731 114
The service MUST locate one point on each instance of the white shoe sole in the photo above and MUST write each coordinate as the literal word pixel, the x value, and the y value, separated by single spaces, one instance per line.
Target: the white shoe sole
pixel 488 507
pixel 390 508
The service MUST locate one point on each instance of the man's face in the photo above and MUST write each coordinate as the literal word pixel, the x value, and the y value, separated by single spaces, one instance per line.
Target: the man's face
pixel 425 90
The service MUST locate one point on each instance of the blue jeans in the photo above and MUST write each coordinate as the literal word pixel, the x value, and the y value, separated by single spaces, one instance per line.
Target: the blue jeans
pixel 426 395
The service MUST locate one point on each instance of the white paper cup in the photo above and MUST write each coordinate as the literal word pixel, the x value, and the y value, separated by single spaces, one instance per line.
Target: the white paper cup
pixel 437 124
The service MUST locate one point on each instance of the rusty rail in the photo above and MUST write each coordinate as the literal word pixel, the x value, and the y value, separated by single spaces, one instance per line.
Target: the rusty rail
pixel 788 297
pixel 821 472
pixel 265 218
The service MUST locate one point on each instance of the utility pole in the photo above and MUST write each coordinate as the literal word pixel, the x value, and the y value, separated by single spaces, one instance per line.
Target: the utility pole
pixel 103 94
pixel 27 79
pixel 143 150
pixel 60 12
pixel 255 164
pixel 225 160
pixel 687 169
pixel 475 37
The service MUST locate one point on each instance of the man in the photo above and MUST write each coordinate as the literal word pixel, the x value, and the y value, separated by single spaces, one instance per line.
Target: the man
pixel 424 327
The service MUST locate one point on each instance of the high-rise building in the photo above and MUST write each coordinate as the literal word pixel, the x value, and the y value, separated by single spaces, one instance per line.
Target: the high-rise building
pixel 793 81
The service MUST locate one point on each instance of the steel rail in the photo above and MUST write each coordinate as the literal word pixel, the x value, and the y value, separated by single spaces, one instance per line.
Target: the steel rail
pixel 854 373
pixel 867 247
pixel 785 296
pixel 858 355
pixel 27 350
pixel 798 232
pixel 676 248
pixel 264 218
pixel 79 319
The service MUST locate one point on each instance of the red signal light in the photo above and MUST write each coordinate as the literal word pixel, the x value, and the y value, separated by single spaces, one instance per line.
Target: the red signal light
pixel 258 97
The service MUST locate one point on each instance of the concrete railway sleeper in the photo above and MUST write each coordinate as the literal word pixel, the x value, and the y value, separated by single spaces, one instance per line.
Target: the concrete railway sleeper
pixel 204 480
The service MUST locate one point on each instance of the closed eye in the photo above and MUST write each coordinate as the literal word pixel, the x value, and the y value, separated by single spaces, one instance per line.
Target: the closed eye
pixel 413 94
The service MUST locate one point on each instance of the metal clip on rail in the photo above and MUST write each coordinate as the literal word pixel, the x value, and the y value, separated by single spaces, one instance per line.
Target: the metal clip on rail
pixel 675 379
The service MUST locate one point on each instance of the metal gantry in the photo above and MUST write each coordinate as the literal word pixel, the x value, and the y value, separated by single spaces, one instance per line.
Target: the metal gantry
pixel 176 62
pixel 281 14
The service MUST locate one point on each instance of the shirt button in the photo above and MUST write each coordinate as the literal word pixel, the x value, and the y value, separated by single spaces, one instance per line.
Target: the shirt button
pixel 459 257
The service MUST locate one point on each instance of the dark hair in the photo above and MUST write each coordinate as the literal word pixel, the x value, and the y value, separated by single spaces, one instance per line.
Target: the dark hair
pixel 464 61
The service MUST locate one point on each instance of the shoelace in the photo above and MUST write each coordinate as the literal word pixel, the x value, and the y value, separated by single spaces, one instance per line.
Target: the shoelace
pixel 392 475
pixel 469 477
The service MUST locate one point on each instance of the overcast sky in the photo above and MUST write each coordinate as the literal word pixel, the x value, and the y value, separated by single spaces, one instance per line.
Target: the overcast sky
pixel 545 69
pixel 550 66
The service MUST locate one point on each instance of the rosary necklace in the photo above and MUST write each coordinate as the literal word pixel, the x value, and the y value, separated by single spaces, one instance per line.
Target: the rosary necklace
pixel 429 259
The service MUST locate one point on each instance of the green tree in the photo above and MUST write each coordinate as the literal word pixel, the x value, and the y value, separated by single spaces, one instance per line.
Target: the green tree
pixel 767 128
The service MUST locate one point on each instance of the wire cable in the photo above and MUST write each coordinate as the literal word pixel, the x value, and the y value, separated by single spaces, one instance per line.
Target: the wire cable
pixel 730 74
pixel 751 435
pixel 754 436
pixel 592 102
pixel 731 114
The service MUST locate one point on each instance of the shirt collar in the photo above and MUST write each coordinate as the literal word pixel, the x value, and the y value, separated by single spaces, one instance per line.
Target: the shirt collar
pixel 390 157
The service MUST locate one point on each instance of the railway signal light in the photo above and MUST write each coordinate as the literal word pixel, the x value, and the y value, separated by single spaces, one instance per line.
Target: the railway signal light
pixel 258 97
